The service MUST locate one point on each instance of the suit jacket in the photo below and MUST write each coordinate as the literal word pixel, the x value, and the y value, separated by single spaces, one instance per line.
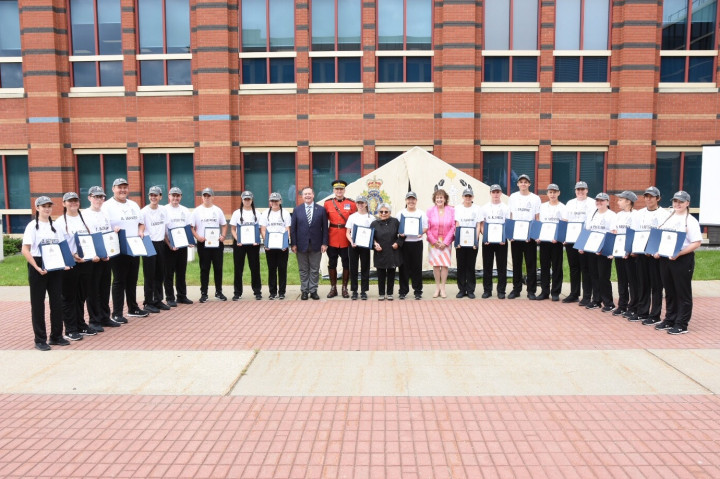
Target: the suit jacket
pixel 447 226
pixel 308 237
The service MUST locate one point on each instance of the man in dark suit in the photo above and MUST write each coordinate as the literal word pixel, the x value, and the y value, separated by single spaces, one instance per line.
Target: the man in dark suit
pixel 309 240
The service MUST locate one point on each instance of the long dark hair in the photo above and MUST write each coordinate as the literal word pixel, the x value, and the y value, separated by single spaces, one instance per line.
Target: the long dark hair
pixel 252 203
pixel 81 219
pixel 37 221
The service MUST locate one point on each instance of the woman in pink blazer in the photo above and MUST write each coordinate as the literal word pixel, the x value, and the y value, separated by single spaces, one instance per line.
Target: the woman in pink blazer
pixel 440 235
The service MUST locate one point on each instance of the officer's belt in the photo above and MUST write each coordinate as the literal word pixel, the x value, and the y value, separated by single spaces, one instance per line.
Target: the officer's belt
pixel 332 225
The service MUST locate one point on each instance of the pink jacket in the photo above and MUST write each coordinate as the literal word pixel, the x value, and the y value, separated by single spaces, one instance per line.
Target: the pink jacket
pixel 434 226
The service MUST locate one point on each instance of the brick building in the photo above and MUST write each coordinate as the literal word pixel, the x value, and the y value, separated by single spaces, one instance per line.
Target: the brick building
pixel 271 95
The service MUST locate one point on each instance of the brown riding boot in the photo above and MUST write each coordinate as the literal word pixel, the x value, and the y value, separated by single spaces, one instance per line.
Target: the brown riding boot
pixel 332 273
pixel 345 278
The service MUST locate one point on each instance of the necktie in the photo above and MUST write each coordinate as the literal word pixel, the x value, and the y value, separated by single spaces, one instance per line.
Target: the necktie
pixel 308 212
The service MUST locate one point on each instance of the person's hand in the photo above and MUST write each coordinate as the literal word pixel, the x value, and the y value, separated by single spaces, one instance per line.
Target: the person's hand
pixel 378 247
pixel 40 270
pixel 323 248
pixel 394 246
pixel 200 239
pixel 95 259
pixel 656 256
pixel 294 249
pixel 581 251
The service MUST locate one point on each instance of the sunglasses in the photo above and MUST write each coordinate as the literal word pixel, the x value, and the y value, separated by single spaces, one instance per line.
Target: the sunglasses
pixel 384 212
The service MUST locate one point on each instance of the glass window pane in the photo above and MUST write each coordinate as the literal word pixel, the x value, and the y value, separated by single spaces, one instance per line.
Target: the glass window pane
pixel 524 69
pixel 254 71
pixel 522 163
pixel 9 29
pixel 323 24
pixel 282 167
pixel 282 70
pixel 592 171
pixel 111 74
pixel 419 24
pixel 419 69
pixel 88 172
pixel 567 25
pixel 385 157
pixel 109 29
pixel 282 25
pixel 115 167
pixel 567 69
pixel 154 173
pixel 497 25
pixel 667 176
pixel 323 173
pixel 323 70
pixel 349 70
pixel 177 25
pixel 525 25
pixel 18 181
pixel 701 69
pixel 19 222
pixel 152 72
pixel 2 186
pixel 350 165
pixel 182 175
pixel 349 24
pixel 595 27
pixel 497 69
pixel 179 72
pixel 390 69
pixel 674 30
pixel 702 28
pixel 495 169
pixel 254 27
pixel 84 74
pixel 82 23
pixel 564 173
pixel 691 177
pixel 390 25
pixel 255 174
pixel 150 21
pixel 595 69
pixel 11 75
pixel 672 69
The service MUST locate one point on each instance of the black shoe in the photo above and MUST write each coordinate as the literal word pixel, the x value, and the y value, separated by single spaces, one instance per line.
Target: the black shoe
pixel 673 330
pixel 401 296
pixel 314 296
pixel 42 347
pixel 460 294
pixel 172 303
pixel 138 313
pixel 236 297
pixel 418 296
pixel 88 330
pixel 471 295
pixel 389 297
pixel 203 298
pixel 618 312
pixel 555 297
pixel 272 297
pixel 607 309
pixel 187 301
pixel 635 318
pixel 304 296
pixel 513 295
pixel 651 321
pixel 584 302
pixel 258 297
pixel 59 342
pixel 162 306
pixel 663 326
pixel 220 296
pixel 628 314
pixel 111 324
pixel 97 328
pixel 73 336
pixel 500 295
pixel 118 319
pixel 355 295
pixel 592 305
pixel 281 296
pixel 486 295
pixel 531 296
pixel 149 308
pixel 570 299
pixel 363 296
pixel 540 297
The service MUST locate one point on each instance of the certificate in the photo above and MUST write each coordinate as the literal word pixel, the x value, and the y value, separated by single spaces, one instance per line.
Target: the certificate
pixel 466 237
pixel 363 236
pixel 86 245
pixel 495 232
pixel 521 230
pixel 137 246
pixel 112 244
pixel 248 234
pixel 212 237
pixel 594 242
pixel 572 232
pixel 668 241
pixel 640 241
pixel 410 226
pixel 276 240
pixel 619 246
pixel 178 238
pixel 52 257
pixel 548 231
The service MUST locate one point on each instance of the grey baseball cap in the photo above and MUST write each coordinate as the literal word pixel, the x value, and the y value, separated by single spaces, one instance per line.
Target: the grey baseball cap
pixel 581 184
pixel 361 199
pixel 120 181
pixel 495 188
pixel 70 195
pixel 207 191
pixel 652 191
pixel 246 194
pixel 602 196
pixel 275 196
pixel 410 194
pixel 553 186
pixel 175 191
pixel 468 192
pixel 681 196
pixel 628 195
pixel 96 191
pixel 155 190
pixel 43 200
pixel 524 177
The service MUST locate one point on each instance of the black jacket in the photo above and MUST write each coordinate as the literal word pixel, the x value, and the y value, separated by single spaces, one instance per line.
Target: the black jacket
pixel 386 233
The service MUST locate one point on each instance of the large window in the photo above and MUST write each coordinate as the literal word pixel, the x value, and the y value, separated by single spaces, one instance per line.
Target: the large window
pixel 164 34
pixel 336 33
pixel 676 171
pixel 268 172
pixel 404 29
pixel 167 170
pixel 268 29
pixel 11 75
pixel 511 37
pixel 329 166
pixel 569 167
pixel 581 41
pixel 688 41
pixel 96 43
pixel 504 168
pixel 15 191
pixel 98 169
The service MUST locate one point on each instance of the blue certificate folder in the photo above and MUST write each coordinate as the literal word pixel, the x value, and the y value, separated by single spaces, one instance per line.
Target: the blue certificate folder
pixel 503 238
pixel 417 232
pixel 581 245
pixel 188 233
pixel 536 227
pixel 458 231
pixel 665 243
pixel 284 240
pixel 67 256
pixel 510 228
pixel 98 242
pixel 608 248
pixel 372 236
pixel 126 250
pixel 257 240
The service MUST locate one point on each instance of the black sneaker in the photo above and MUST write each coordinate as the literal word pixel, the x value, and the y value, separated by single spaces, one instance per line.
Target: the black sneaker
pixel 460 294
pixel 97 328
pixel 281 296
pixel 271 297
pixel 513 295
pixel 236 297
pixel 501 295
pixel 138 313
pixel 389 297
pixel 651 321
pixel 354 295
pixel 363 296
pixel 162 306
pixel 42 347
pixel 88 331
pixel 673 330
pixel 471 295
pixel 203 298
pixel 172 303
pixel 532 297
pixel 73 336
pixel 401 296
pixel 635 318
pixel 618 312
pixel 59 342
pixel 187 301
pixel 149 308
pixel 258 297
pixel 663 326
pixel 593 306
pixel 220 296
pixel 118 319
pixel 628 314
pixel 486 295
pixel 607 309
pixel 555 298
pixel 584 302
pixel 111 323
pixel 570 299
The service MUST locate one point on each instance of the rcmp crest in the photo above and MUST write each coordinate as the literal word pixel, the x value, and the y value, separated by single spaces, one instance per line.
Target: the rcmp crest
pixel 449 185
pixel 375 195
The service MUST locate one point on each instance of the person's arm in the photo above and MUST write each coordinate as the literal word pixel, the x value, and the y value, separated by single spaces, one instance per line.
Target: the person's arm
pixel 325 230
pixel 30 259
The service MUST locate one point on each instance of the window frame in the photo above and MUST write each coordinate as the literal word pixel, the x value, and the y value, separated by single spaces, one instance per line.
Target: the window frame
pixel 101 153
pixel 337 152
pixel 269 152
pixel 681 179
pixel 168 152
pixel 7 213
pixel 578 151
pixel 13 92
pixel 510 150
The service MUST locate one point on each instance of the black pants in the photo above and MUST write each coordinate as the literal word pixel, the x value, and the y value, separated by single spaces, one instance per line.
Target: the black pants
pixel 677 279
pixel 650 286
pixel 210 257
pixel 579 273
pixel 98 298
pixel 154 274
pixel 363 256
pixel 386 280
pixel 253 258
pixel 333 253
pixel 627 283
pixel 551 260
pixel 75 289
pixel 51 282
pixel 466 258
pixel 497 252
pixel 277 261
pixel 527 251
pixel 175 268
pixel 411 267
pixel 125 271
pixel 600 274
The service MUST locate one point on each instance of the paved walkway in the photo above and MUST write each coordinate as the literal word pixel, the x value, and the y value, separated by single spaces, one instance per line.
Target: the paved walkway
pixel 361 389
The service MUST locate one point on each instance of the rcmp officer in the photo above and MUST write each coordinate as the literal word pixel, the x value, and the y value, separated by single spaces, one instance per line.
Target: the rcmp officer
pixel 338 211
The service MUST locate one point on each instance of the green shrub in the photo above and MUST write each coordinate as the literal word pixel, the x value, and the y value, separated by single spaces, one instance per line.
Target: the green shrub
pixel 11 245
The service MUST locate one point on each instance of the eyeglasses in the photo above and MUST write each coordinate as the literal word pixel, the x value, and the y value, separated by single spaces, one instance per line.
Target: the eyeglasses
pixel 384 212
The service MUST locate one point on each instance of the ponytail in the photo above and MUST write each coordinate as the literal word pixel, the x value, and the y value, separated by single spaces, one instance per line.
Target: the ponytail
pixel 252 203
pixel 83 220
pixel 65 218
pixel 51 226
pixel 37 219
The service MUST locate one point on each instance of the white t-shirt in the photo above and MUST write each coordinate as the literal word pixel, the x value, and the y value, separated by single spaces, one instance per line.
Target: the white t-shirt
pixel 498 213
pixel 524 207
pixel 577 211
pixel 623 221
pixel 552 213
pixel 601 222
pixel 177 216
pixel 125 216
pixel 204 217
pixel 275 221
pixel 684 223
pixel 43 235
pixel 360 220
pixel 415 214
pixel 468 216
pixel 96 221
pixel 155 221
pixel 248 218
pixel 645 220
pixel 74 225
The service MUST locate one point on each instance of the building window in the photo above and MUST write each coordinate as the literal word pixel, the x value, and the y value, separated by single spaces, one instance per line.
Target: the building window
pixel 15 191
pixel 676 171
pixel 688 41
pixel 336 32
pixel 385 157
pixel 267 172
pixel 99 169
pixel 11 75
pixel 268 26
pixel 329 166
pixel 504 167
pixel 96 43
pixel 404 26
pixel 167 170
pixel 511 37
pixel 569 167
pixel 581 41
pixel 164 34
